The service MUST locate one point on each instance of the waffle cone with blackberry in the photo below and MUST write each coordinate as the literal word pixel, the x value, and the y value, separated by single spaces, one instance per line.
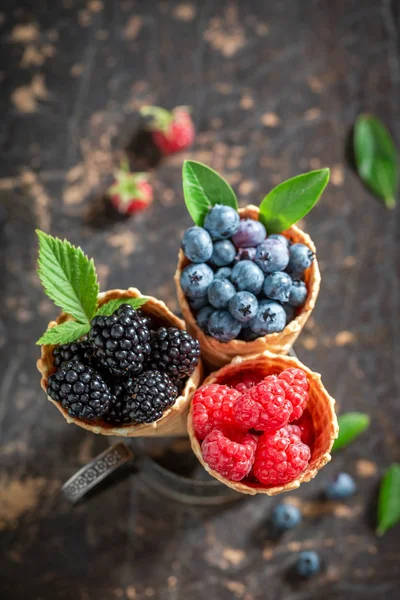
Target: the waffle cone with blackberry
pixel 215 353
pixel 172 422
pixel 320 410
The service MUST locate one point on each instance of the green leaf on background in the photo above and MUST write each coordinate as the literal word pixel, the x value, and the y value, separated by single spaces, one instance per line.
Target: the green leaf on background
pixel 376 158
pixel 351 425
pixel 64 333
pixel 68 277
pixel 389 500
pixel 108 309
pixel 291 200
pixel 202 188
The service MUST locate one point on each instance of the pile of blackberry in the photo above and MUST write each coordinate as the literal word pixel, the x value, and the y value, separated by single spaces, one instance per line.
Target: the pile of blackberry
pixel 128 370
pixel 242 283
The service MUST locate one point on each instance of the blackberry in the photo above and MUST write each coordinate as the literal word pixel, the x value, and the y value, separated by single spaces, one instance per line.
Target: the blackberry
pixel 151 394
pixel 121 341
pixel 174 351
pixel 80 390
pixel 147 319
pixel 81 351
pixel 119 409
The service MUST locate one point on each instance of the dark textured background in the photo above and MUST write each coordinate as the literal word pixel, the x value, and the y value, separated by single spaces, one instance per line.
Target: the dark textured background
pixel 275 88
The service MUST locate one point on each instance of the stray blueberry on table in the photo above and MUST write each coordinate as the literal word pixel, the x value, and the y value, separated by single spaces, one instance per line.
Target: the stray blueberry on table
pixel 341 487
pixel 285 516
pixel 308 563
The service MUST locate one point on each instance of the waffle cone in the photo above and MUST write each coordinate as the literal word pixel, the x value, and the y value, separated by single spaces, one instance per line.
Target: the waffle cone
pixel 320 405
pixel 215 354
pixel 173 421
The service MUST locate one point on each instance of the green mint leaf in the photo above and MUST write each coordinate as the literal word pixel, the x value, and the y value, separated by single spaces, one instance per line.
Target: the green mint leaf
pixel 108 309
pixel 389 500
pixel 351 425
pixel 376 158
pixel 203 188
pixel 291 200
pixel 68 277
pixel 64 333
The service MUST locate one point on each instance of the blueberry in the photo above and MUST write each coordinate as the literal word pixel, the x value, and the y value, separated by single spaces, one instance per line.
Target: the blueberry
pixel 298 293
pixel 243 306
pixel 272 255
pixel 290 312
pixel 223 326
pixel 221 222
pixel 197 303
pixel 308 563
pixel 277 286
pixel 285 516
pixel 197 244
pixel 270 318
pixel 246 276
pixel 343 486
pixel 223 253
pixel 245 254
pixel 300 258
pixel 249 233
pixel 223 273
pixel 248 335
pixel 280 237
pixel 203 316
pixel 220 292
pixel 195 280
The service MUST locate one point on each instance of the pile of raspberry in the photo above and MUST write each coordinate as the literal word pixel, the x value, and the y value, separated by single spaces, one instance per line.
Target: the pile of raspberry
pixel 257 431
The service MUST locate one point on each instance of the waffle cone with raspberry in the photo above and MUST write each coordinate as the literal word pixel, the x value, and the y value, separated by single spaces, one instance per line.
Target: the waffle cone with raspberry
pixel 215 354
pixel 173 421
pixel 320 406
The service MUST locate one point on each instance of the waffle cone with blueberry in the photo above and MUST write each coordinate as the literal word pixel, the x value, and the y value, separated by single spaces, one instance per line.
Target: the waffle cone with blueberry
pixel 263 424
pixel 114 363
pixel 216 353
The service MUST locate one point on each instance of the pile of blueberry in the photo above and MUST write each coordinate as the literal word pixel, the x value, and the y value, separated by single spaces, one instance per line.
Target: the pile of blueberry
pixel 242 283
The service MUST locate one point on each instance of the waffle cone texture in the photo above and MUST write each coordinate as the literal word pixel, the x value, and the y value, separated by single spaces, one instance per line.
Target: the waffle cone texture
pixel 320 405
pixel 173 421
pixel 216 354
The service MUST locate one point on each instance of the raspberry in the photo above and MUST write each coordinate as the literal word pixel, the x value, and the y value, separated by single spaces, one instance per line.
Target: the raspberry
pixel 245 381
pixel 295 385
pixel 80 390
pixel 306 428
pixel 174 351
pixel 212 405
pixel 229 452
pixel 120 342
pixel 263 407
pixel 280 457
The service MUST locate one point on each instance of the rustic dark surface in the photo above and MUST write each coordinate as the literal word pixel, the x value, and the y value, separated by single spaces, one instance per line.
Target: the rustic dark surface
pixel 275 88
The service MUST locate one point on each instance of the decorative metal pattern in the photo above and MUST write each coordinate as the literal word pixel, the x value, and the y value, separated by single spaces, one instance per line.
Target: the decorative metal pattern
pixel 98 469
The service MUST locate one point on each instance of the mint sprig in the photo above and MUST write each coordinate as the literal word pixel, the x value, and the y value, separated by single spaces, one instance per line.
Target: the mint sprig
pixel 389 500
pixel 376 158
pixel 291 200
pixel 68 277
pixel 108 309
pixel 64 333
pixel 70 280
pixel 203 188
pixel 351 425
